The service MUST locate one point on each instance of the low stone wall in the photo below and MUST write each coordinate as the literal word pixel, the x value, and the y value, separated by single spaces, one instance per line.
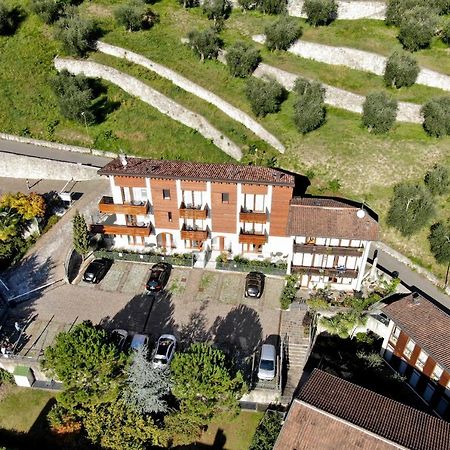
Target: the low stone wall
pixel 194 89
pixel 154 98
pixel 22 166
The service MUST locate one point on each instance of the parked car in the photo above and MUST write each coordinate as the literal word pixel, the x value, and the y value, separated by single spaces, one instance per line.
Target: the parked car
pixel 158 277
pixel 267 363
pixel 165 349
pixel 96 270
pixel 138 341
pixel 254 284
pixel 120 338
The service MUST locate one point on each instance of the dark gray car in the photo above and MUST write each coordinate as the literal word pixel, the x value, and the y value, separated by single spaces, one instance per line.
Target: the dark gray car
pixel 158 277
pixel 254 284
pixel 96 270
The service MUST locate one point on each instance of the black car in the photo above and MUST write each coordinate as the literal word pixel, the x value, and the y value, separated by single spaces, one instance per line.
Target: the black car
pixel 254 284
pixel 96 270
pixel 158 277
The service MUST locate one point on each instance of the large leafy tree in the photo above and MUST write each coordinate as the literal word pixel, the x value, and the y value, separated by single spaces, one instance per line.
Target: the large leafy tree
pixel 80 234
pixel 439 239
pixel 205 383
pixel 28 206
pixel 88 364
pixel 411 208
pixel 146 387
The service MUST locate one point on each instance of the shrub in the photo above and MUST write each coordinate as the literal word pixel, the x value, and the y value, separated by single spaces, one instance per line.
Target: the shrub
pixel 135 16
pixel 48 10
pixel 205 43
pixel 280 35
pixel 320 12
pixel 445 32
pixel 265 96
pixel 437 180
pixel 289 291
pixel 309 109
pixel 272 6
pixel 267 432
pixel 217 10
pixel 379 112
pixel 417 28
pixel 77 34
pixel 401 70
pixel 436 116
pixel 242 59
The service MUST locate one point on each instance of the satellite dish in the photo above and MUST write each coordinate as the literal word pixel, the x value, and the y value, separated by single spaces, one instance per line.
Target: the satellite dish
pixel 360 213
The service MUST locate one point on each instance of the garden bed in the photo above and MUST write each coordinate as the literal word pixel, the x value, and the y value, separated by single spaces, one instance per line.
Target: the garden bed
pixel 247 265
pixel 177 259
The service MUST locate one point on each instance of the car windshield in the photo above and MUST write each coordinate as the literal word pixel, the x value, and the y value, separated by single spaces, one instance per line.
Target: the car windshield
pixel 266 364
pixel 163 347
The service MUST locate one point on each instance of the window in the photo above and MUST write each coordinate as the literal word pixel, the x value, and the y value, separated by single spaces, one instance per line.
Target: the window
pixel 421 360
pixel 395 334
pixel 166 194
pixel 310 240
pixel 225 197
pixel 437 372
pixel 409 348
pixel 169 216
pixel 144 194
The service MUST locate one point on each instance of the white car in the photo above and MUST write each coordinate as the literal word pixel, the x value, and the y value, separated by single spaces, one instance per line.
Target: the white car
pixel 267 364
pixel 165 349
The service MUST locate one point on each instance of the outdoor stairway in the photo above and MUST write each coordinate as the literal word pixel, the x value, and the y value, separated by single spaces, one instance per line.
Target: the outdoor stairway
pixel 297 346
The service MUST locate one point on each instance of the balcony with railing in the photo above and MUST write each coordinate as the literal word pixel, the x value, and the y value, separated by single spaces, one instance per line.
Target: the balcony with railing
pixel 107 206
pixel 193 233
pixel 252 237
pixel 325 271
pixel 189 211
pixel 247 215
pixel 132 228
pixel 328 250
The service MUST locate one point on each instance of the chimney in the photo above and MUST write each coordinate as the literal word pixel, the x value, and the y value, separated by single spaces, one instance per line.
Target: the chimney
pixel 415 298
pixel 123 159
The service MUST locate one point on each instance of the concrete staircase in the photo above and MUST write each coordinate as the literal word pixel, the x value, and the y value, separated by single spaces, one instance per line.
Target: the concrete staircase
pixel 296 349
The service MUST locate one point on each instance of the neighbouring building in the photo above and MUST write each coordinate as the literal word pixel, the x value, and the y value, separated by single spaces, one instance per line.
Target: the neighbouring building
pixel 332 413
pixel 417 345
pixel 177 206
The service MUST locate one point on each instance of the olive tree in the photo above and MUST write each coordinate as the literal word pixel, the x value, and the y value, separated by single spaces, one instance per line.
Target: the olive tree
pixel 135 16
pixel 320 12
pixel 242 59
pixel 205 43
pixel 281 34
pixel 445 32
pixel 217 10
pixel 265 96
pixel 396 9
pixel 436 116
pixel 401 70
pixel 437 180
pixel 379 112
pixel 309 109
pixel 48 10
pixel 439 240
pixel 189 3
pixel 272 6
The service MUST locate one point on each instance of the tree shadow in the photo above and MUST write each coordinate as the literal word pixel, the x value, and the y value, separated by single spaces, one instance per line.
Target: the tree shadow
pixel 15 17
pixel 240 330
pixel 102 107
pixel 195 329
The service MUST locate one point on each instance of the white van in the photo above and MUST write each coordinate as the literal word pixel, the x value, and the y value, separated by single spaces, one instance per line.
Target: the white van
pixel 267 363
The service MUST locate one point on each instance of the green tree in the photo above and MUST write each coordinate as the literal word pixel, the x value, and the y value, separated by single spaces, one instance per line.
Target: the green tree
pixel 48 10
pixel 205 44
pixel 242 59
pixel 80 234
pixel 189 3
pixel 401 70
pixel 74 96
pixel 343 324
pixel 10 224
pixel 146 387
pixel 396 9
pixel 320 12
pixel 439 239
pixel 437 180
pixel 267 432
pixel 411 208
pixel 217 10
pixel 77 34
pixel 88 365
pixel 28 206
pixel 379 112
pixel 205 383
pixel 135 15
pixel 280 35
pixel 436 116
pixel 417 28
pixel 272 6
pixel 309 108
pixel 445 32
pixel 265 96
pixel 248 5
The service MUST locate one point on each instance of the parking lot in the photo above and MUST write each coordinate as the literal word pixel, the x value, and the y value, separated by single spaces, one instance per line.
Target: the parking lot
pixel 196 305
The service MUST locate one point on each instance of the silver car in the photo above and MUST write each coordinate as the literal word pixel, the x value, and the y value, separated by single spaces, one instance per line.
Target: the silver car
pixel 268 362
pixel 165 349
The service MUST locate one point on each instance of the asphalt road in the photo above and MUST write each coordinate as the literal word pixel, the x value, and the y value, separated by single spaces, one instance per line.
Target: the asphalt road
pixel 20 148
pixel 411 279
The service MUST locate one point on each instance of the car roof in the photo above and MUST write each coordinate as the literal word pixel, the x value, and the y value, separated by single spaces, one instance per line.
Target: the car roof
pixel 167 336
pixel 255 275
pixel 268 351
pixel 138 340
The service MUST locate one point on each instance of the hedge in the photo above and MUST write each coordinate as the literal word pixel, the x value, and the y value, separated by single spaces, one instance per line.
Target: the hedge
pixel 177 259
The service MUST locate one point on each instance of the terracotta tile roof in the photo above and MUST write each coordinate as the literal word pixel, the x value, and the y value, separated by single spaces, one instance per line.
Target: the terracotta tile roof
pixel 329 408
pixel 324 217
pixel 184 170
pixel 425 323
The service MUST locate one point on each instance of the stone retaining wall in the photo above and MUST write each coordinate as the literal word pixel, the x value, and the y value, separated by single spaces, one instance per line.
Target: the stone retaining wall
pixel 194 89
pixel 154 98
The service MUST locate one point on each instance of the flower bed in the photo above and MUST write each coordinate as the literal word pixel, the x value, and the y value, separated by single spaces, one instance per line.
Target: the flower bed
pixel 177 259
pixel 239 264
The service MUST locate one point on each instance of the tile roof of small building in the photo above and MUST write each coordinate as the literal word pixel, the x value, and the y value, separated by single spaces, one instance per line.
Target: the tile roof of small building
pixel 329 409
pixel 425 323
pixel 156 168
pixel 325 217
